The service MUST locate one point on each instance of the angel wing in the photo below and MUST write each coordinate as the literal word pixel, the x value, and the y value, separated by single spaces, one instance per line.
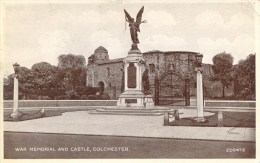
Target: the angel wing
pixel 139 18
pixel 127 16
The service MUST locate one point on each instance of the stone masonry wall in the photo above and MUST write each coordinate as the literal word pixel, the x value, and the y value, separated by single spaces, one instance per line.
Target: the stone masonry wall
pixel 183 63
pixel 112 79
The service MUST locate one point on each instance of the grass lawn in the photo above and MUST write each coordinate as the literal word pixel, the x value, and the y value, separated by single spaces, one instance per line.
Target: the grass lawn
pixel 230 119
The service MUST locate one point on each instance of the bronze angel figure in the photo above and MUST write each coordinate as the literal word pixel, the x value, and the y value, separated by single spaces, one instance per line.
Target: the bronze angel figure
pixel 135 25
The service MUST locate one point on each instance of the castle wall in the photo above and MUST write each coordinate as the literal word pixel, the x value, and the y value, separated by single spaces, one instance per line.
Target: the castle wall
pixel 110 74
pixel 183 63
pixel 112 79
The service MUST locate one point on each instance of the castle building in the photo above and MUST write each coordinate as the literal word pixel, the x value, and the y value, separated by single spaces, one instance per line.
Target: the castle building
pixel 172 68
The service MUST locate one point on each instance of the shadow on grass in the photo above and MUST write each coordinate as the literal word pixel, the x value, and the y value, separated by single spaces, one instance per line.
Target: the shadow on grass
pixel 230 119
pixel 36 114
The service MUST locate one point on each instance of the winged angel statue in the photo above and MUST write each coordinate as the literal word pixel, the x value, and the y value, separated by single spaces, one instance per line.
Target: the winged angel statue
pixel 135 25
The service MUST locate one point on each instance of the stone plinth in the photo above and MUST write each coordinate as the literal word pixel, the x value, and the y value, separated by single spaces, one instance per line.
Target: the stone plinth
pixel 133 68
pixel 148 101
pixel 131 98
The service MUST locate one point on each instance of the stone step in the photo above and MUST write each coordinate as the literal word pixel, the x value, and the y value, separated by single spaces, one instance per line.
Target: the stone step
pixel 126 113
pixel 130 110
pixel 154 108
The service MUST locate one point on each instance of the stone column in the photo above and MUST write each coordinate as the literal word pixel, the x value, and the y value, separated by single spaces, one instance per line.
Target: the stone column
pixel 199 94
pixel 200 116
pixel 15 113
pixel 126 76
pixel 139 76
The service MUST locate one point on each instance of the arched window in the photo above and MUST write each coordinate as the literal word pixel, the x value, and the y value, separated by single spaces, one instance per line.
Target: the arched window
pixel 152 68
pixel 108 71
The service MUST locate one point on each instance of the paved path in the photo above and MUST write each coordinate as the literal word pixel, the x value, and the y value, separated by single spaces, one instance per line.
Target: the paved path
pixel 82 122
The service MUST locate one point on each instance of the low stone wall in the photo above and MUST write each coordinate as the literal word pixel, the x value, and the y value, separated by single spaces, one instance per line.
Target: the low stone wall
pixel 66 103
pixel 224 103
pixel 229 103
pixel 60 103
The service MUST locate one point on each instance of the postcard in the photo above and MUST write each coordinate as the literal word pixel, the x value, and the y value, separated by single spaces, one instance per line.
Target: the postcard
pixel 121 80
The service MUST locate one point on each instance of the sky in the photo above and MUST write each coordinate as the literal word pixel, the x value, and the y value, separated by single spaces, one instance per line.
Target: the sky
pixel 40 32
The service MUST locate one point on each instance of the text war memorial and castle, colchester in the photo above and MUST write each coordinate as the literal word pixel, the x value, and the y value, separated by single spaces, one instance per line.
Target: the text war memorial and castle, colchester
pixel 174 70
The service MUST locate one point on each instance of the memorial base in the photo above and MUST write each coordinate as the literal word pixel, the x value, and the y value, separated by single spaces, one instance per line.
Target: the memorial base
pixel 200 120
pixel 131 99
pixel 16 115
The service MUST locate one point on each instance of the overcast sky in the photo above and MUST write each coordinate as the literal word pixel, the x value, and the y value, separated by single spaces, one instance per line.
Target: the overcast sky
pixel 41 32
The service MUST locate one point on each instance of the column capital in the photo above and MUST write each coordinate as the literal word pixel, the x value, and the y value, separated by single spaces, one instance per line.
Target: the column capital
pixel 141 61
pixel 199 69
pixel 17 76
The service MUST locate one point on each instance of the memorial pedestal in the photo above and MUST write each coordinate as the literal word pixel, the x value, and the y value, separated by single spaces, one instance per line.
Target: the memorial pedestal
pixel 134 67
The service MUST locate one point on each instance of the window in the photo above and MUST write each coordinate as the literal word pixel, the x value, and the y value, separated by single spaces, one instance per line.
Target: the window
pixel 108 71
pixel 152 68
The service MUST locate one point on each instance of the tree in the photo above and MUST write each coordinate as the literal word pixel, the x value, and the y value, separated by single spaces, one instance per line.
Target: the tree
pixel 44 74
pixel 222 68
pixel 26 83
pixel 72 71
pixel 245 76
pixel 8 87
pixel 45 83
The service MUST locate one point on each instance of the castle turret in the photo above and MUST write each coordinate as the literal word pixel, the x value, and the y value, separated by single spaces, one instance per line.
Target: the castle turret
pixel 101 54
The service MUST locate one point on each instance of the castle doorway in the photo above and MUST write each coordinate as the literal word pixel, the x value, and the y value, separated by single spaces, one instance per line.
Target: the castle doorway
pixel 101 87
pixel 171 90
